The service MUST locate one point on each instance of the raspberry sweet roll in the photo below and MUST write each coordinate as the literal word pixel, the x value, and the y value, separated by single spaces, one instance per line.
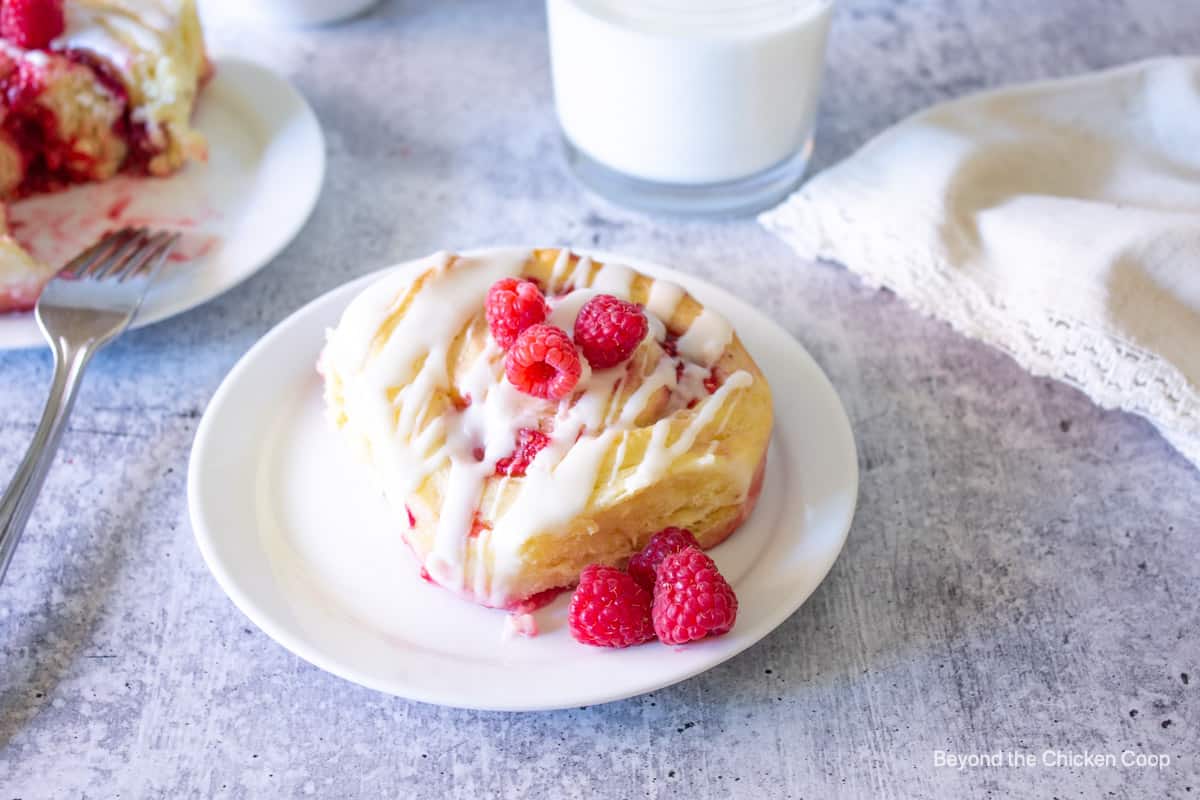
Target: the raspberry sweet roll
pixel 89 88
pixel 529 413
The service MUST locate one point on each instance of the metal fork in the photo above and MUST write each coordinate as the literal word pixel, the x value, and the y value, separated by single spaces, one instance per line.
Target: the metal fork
pixel 90 302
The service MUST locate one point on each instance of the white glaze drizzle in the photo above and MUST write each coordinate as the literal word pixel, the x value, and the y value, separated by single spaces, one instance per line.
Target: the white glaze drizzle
pixel 660 455
pixel 664 299
pixel 561 264
pixel 119 33
pixel 615 279
pixel 407 448
pixel 706 338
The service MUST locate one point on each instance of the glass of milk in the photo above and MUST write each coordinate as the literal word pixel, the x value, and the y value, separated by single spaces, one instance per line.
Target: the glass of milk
pixel 291 13
pixel 688 106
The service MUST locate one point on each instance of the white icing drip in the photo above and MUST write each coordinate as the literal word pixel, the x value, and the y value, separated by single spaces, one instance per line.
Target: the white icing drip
pixel 113 34
pixel 456 517
pixel 561 263
pixel 659 455
pixel 615 279
pixel 407 448
pixel 656 329
pixel 618 460
pixel 414 357
pixel 564 310
pixel 664 374
pixel 497 412
pixel 706 338
pixel 582 268
pixel 664 299
pixel 691 382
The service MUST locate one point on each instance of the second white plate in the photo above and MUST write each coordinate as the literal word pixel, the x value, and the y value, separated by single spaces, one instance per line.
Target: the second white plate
pixel 293 533
pixel 236 211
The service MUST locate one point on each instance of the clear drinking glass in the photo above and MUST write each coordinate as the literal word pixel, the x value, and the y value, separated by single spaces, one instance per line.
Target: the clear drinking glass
pixel 688 106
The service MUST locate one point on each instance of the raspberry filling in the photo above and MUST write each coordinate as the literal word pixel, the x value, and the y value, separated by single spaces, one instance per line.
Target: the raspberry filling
pixel 29 126
pixel 135 134
pixel 538 600
pixel 713 381
pixel 105 74
pixel 478 526
pixel 529 443
pixel 50 161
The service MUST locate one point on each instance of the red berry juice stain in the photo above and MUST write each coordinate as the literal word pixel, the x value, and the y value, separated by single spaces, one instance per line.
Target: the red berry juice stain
pixel 713 381
pixel 539 600
pixel 118 208
pixel 478 525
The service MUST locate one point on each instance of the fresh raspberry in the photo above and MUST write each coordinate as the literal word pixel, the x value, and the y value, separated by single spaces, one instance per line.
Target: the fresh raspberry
pixel 512 306
pixel 31 24
pixel 691 598
pixel 608 330
pixel 609 609
pixel 543 362
pixel 644 565
pixel 530 442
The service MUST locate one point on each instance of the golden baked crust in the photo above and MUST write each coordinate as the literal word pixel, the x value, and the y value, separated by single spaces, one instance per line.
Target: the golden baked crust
pixel 658 447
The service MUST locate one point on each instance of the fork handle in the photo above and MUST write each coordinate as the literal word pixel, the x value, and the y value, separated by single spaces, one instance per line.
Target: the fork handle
pixel 22 493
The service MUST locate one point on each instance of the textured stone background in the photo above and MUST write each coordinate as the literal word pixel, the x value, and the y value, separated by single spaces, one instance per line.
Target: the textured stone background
pixel 1022 573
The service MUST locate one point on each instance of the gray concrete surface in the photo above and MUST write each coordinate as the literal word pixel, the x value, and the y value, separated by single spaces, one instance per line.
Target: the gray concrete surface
pixel 1022 574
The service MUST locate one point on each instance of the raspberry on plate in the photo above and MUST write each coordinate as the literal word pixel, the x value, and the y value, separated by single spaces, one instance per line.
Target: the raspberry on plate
pixel 543 362
pixel 31 24
pixel 643 566
pixel 608 330
pixel 692 599
pixel 609 609
pixel 530 442
pixel 513 305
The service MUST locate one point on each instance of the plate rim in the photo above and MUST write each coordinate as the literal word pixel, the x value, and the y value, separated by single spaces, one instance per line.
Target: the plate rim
pixel 297 646
pixel 175 306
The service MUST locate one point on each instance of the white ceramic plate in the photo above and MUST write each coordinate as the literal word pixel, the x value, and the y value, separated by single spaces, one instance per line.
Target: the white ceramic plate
pixel 236 212
pixel 288 525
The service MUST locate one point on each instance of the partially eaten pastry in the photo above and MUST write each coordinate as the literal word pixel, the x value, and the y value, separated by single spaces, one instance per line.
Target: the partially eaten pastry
pixel 89 88
pixel 529 413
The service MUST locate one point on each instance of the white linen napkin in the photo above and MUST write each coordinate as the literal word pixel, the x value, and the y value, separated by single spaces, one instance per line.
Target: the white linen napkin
pixel 1058 221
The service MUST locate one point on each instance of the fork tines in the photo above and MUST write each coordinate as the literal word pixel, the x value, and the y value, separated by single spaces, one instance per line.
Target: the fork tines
pixel 122 254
